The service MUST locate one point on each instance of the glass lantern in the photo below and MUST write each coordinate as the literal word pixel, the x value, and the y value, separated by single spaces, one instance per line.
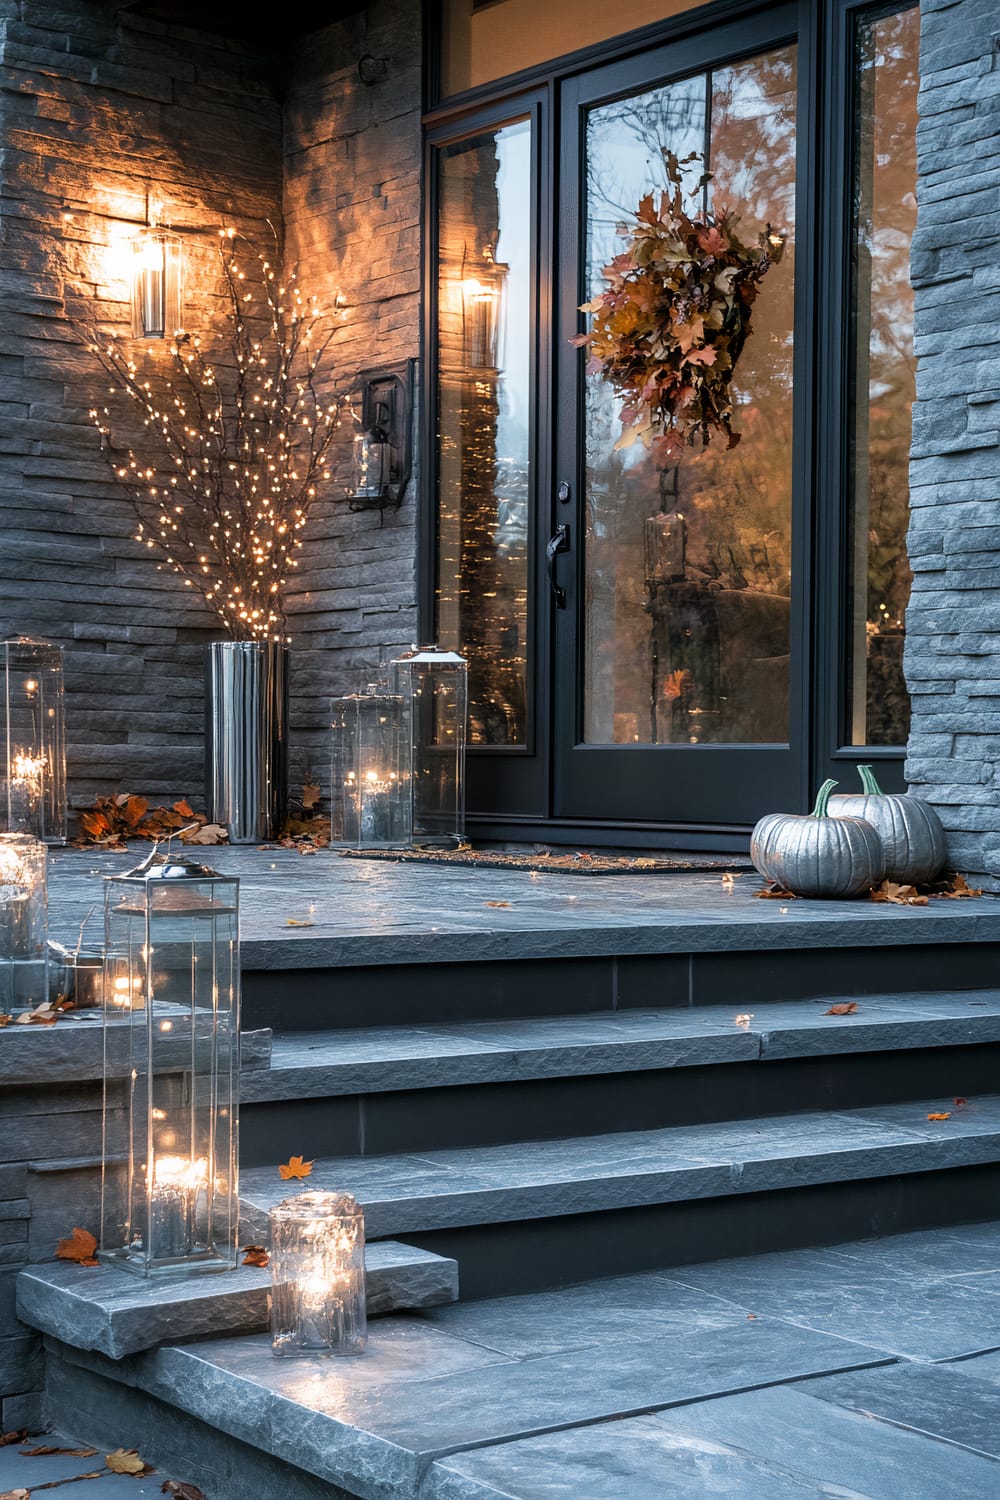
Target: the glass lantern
pixel 33 796
pixel 23 923
pixel 434 686
pixel 318 1276
pixel 169 1199
pixel 370 771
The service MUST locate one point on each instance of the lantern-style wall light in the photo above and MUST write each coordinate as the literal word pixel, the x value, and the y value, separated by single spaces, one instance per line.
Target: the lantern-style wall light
pixel 482 312
pixel 433 686
pixel 169 1201
pixel 370 771
pixel 318 1276
pixel 157 284
pixel 23 923
pixel 382 449
pixel 32 733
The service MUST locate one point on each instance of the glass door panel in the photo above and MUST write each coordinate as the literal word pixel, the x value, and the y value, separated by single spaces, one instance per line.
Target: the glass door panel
pixel 687 571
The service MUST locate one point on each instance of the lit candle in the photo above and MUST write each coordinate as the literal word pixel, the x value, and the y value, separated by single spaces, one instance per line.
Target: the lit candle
pixel 177 1182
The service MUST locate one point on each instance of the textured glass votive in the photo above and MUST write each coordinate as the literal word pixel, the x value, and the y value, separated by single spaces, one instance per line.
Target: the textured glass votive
pixel 23 923
pixel 318 1276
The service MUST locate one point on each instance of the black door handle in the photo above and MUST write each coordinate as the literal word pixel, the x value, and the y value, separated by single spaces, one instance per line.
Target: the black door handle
pixel 558 542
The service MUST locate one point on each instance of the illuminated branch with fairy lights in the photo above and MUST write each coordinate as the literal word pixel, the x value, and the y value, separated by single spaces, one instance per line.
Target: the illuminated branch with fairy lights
pixel 236 446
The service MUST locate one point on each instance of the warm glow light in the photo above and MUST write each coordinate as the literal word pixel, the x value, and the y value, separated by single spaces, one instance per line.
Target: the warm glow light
pixel 177 1172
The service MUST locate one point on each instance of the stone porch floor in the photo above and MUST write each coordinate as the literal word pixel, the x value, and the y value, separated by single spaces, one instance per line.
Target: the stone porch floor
pixel 867 1369
pixel 368 913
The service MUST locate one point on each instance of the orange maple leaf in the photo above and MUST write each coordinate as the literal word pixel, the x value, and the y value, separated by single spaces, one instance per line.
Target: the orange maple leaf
pixel 944 1114
pixel 847 1009
pixel 255 1255
pixel 675 684
pixel 79 1247
pixel 294 1167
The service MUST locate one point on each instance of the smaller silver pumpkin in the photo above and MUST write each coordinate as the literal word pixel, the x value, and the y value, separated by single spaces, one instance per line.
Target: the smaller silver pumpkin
pixel 910 830
pixel 815 855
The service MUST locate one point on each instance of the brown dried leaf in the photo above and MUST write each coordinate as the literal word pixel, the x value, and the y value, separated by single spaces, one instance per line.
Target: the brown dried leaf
pixel 79 1247
pixel 311 793
pixel 255 1255
pixel 942 1114
pixel 294 1167
pixel 299 922
pixel 208 833
pixel 45 1014
pixel 20 1494
pixel 7 1438
pixel 181 1491
pixel 126 1461
pixel 5 1019
pixel 897 895
pixel 960 1102
pixel 848 1008
pixel 184 809
pixel 46 1449
pixel 957 888
pixel 775 892
pixel 496 903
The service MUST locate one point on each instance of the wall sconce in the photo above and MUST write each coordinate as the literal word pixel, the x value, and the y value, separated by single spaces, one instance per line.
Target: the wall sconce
pixel 382 448
pixel 157 284
pixel 482 313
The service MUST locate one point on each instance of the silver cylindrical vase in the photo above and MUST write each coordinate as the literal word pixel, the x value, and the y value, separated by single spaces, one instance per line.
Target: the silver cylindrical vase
pixel 246 738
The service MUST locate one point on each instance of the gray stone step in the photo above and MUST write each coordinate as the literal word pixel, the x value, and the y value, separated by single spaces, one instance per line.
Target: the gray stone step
pixel 378 1059
pixel 73 1049
pixel 860 1369
pixel 597 1173
pixel 102 1308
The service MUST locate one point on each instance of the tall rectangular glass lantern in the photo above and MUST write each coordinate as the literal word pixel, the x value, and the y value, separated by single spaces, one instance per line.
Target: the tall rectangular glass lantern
pixel 434 686
pixel 169 1200
pixel 370 771
pixel 23 923
pixel 33 794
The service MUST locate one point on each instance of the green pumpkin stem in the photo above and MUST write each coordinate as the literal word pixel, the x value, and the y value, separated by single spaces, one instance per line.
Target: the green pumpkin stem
pixel 869 785
pixel 822 798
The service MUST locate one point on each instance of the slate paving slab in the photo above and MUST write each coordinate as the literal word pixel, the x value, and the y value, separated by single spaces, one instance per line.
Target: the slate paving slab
pixel 923 1319
pixel 766 1443
pixel 948 1401
pixel 18 1472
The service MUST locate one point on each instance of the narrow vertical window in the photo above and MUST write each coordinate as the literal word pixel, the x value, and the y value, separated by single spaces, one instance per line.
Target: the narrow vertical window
pixel 886 61
pixel 483 421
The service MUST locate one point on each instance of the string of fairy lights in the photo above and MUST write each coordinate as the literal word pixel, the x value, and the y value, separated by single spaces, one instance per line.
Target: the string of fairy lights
pixel 237 445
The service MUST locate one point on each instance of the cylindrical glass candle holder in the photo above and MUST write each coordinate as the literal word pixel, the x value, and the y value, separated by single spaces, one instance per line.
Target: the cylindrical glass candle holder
pixel 23 923
pixel 370 771
pixel 318 1276
pixel 33 792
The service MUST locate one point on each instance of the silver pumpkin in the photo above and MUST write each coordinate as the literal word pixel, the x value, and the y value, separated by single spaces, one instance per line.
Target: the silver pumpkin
pixel 910 830
pixel 816 855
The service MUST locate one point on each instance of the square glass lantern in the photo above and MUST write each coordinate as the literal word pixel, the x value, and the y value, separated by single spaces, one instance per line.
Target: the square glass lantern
pixel 169 1202
pixel 434 686
pixel 318 1276
pixel 370 771
pixel 32 733
pixel 23 923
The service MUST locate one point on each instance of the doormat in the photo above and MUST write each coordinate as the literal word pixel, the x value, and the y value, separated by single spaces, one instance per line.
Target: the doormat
pixel 559 864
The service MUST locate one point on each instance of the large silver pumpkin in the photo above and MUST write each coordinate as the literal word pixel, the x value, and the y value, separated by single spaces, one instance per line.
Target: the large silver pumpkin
pixel 816 855
pixel 910 830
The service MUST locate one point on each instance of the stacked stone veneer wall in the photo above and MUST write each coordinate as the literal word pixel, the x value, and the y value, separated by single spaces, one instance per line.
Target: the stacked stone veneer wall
pixel 96 108
pixel 953 622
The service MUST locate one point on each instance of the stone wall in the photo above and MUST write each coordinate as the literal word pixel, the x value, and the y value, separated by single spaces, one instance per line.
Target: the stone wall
pixel 98 109
pixel 953 622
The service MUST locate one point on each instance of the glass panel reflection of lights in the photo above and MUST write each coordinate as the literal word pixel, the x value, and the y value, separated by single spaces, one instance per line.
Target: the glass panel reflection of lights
pixel 688 570
pixel 483 423
pixel 885 214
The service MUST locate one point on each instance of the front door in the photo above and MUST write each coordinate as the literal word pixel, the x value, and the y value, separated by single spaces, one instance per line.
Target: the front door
pixel 678 591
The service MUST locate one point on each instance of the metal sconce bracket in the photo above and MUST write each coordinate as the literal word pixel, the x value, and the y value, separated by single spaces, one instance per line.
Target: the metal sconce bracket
pixel 386 411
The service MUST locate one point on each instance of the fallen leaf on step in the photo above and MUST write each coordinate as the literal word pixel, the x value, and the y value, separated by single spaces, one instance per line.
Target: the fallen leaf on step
pixel 126 1461
pixel 255 1255
pixel 751 1317
pixel 727 881
pixel 774 892
pixel 299 922
pixel 847 1009
pixel 180 1490
pixel 209 833
pixel 953 888
pixel 294 1167
pixel 897 895
pixel 744 1018
pixel 46 1449
pixel 6 1438
pixel 960 1102
pixel 5 1019
pixel 496 903
pixel 80 1247
pixel 943 1114
pixel 45 1014
pixel 311 793
pixel 16 1495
